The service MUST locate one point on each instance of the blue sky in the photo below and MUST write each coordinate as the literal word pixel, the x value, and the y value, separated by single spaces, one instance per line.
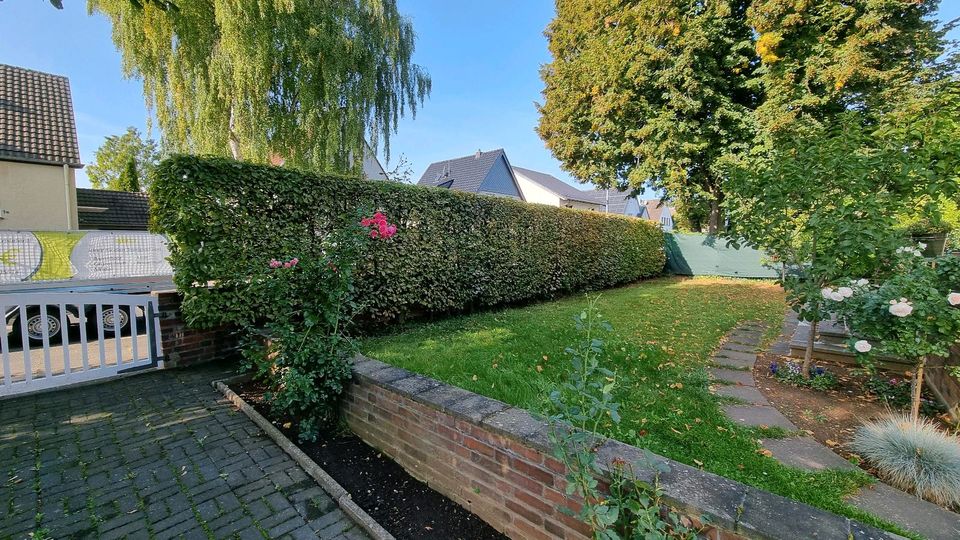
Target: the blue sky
pixel 484 58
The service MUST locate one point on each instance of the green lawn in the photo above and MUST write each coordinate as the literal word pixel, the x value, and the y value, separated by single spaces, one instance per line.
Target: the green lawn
pixel 664 330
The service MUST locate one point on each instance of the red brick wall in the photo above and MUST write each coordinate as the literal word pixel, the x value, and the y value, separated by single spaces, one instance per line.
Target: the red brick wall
pixel 514 488
pixel 184 346
pixel 496 461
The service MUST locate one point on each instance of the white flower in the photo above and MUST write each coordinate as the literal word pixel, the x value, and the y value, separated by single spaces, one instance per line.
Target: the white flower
pixel 901 309
pixel 863 282
pixel 826 293
pixel 863 346
pixel 953 298
pixel 836 296
pixel 921 245
pixel 845 292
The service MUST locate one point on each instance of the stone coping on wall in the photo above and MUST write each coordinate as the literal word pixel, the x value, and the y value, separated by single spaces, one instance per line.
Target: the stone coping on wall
pixel 728 506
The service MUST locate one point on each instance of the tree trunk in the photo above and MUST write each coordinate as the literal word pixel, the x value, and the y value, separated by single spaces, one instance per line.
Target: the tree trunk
pixel 234 142
pixel 808 353
pixel 916 388
pixel 713 225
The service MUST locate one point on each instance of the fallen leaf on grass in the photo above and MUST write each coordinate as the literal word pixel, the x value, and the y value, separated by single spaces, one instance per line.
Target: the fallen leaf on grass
pixel 832 443
pixel 765 452
pixel 698 462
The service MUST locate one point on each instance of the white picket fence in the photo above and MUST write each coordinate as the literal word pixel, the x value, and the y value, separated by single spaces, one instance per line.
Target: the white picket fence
pixel 56 339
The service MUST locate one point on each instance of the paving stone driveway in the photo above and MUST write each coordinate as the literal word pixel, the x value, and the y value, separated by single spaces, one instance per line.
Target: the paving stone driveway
pixel 159 455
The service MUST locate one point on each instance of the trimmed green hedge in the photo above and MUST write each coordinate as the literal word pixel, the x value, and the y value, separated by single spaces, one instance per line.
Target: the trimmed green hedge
pixel 453 250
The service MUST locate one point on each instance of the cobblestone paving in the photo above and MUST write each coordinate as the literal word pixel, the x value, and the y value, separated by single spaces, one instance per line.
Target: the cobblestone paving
pixel 159 455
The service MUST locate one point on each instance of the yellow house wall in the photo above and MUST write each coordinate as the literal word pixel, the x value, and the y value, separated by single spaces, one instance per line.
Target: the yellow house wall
pixel 36 197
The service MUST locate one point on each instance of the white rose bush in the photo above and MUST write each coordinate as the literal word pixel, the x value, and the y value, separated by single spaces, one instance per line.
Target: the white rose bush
pixel 913 314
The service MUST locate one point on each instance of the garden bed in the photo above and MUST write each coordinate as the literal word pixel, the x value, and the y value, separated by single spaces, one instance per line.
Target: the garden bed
pixel 832 416
pixel 406 507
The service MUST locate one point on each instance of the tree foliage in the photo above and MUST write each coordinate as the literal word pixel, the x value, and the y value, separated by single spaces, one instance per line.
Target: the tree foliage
pixel 821 58
pixel 651 92
pixel 667 93
pixel 302 79
pixel 124 162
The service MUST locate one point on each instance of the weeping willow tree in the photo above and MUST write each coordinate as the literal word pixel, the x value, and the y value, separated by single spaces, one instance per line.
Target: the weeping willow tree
pixel 310 81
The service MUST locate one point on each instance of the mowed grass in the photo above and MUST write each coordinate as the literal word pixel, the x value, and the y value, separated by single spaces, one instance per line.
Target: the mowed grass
pixel 663 333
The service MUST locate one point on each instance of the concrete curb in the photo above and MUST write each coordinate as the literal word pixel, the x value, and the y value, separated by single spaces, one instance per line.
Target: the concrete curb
pixel 335 490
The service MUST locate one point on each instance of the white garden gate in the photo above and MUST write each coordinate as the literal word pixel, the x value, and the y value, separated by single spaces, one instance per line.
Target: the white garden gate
pixel 61 338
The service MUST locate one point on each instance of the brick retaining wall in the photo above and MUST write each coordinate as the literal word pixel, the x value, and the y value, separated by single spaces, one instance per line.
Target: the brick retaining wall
pixel 495 460
pixel 184 346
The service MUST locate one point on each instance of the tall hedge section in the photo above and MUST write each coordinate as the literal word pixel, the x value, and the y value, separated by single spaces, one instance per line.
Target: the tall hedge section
pixel 453 251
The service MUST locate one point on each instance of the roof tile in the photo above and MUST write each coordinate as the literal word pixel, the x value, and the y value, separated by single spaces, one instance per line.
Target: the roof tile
pixel 36 117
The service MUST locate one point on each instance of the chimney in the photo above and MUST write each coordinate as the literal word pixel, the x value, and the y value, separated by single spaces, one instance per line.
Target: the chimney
pixel 477 155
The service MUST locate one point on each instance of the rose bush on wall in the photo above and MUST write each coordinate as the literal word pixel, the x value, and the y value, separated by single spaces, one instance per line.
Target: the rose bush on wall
pixel 300 347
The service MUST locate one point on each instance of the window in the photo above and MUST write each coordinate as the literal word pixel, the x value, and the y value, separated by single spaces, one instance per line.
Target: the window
pixel 666 221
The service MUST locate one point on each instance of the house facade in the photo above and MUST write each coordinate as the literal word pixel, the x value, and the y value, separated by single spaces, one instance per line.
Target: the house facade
pixel 39 154
pixel 543 188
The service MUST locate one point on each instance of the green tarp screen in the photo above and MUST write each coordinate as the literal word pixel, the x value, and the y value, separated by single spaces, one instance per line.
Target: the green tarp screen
pixel 703 255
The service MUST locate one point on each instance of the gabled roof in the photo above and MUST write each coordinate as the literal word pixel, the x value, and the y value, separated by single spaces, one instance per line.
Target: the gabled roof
pixel 463 173
pixel 36 118
pixel 557 186
pixel 617 201
pixel 656 208
pixel 112 210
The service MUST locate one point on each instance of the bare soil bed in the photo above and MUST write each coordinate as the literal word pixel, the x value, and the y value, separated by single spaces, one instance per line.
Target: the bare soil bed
pixel 403 505
pixel 830 416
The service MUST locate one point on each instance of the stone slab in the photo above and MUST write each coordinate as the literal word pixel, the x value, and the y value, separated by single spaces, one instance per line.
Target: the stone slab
pixel 747 394
pixel 733 376
pixel 744 337
pixel 736 355
pixel 734 363
pixel 739 347
pixel 758 415
pixel 910 512
pixel 805 453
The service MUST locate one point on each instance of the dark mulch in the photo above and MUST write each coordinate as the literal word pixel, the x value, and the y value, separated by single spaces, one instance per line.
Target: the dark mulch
pixel 403 505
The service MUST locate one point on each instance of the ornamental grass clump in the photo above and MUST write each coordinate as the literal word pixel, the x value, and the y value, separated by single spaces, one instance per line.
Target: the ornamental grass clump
pixel 914 456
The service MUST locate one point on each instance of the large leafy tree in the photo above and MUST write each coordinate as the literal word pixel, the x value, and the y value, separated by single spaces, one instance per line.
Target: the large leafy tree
pixel 124 162
pixel 667 93
pixel 822 58
pixel 306 80
pixel 651 92
pixel 824 200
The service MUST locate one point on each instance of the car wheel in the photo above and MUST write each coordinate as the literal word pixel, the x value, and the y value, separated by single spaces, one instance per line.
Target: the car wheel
pixel 35 323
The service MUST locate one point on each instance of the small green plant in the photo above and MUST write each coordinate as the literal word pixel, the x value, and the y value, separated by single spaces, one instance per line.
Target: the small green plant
pixel 584 403
pixel 895 392
pixel 792 373
pixel 913 455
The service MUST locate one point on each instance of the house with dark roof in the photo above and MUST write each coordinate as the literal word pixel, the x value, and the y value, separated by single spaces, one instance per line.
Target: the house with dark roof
pixel 39 154
pixel 485 173
pixel 105 210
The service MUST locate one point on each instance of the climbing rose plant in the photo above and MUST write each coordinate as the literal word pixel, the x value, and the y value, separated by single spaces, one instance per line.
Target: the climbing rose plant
pixel 300 348
pixel 913 314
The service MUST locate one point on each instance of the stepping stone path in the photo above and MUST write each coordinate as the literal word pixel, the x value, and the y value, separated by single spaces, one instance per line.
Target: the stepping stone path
pixel 733 378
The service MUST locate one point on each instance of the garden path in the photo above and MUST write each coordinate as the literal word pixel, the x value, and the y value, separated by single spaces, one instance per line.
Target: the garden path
pixel 159 455
pixel 734 363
